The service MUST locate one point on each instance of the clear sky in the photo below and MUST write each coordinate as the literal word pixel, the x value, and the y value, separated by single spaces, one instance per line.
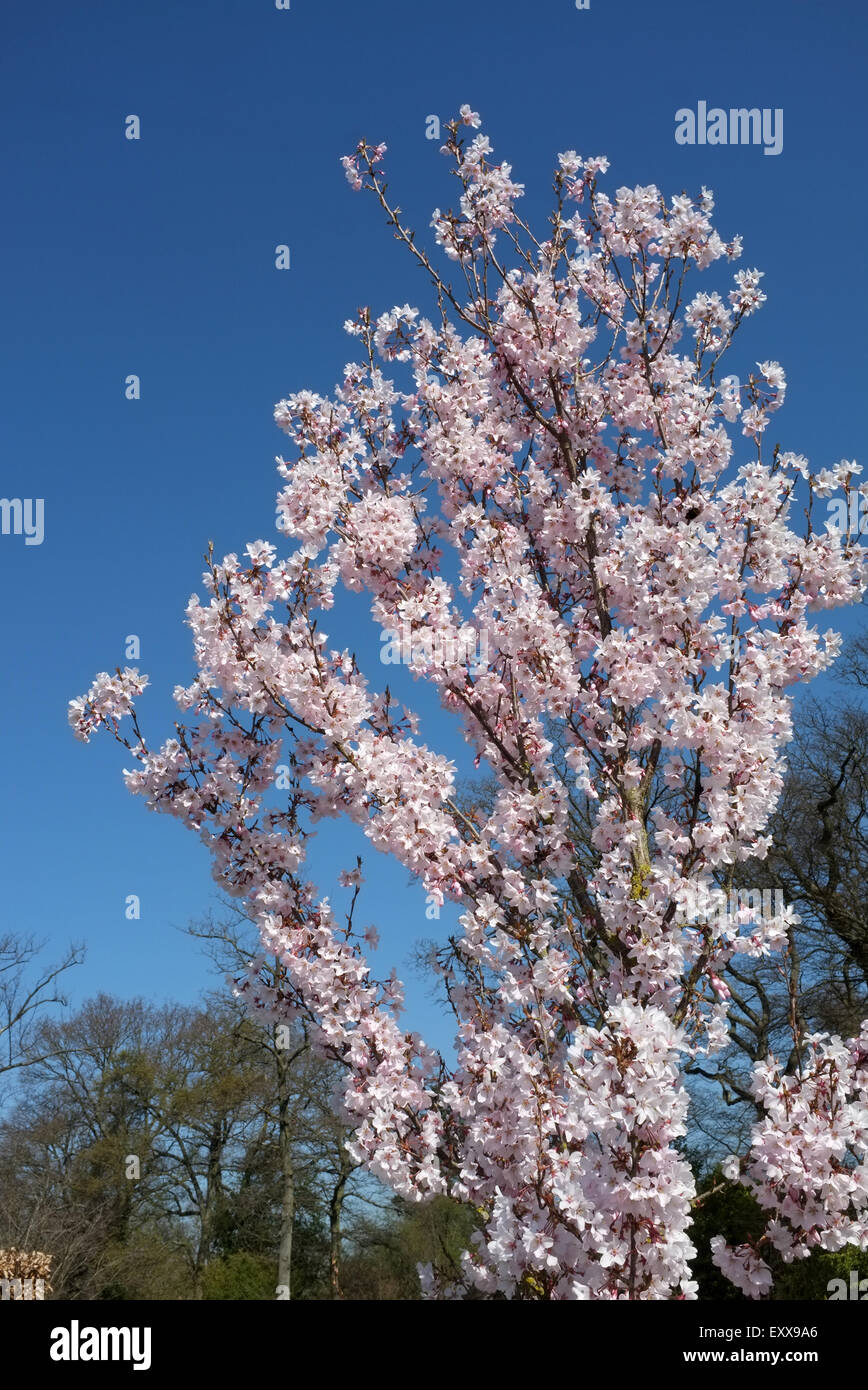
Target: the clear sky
pixel 156 257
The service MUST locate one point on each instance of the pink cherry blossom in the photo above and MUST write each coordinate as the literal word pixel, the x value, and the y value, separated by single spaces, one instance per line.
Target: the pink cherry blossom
pixel 557 462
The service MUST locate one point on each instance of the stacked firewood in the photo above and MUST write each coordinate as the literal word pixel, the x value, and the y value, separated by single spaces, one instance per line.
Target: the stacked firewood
pixel 24 1274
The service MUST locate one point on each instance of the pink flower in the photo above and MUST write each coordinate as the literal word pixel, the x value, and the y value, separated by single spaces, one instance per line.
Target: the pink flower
pixel 557 472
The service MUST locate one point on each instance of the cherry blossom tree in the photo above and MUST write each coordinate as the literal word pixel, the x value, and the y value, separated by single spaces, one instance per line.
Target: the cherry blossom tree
pixel 562 470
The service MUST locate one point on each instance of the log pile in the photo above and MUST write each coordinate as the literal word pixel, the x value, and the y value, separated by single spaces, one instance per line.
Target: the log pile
pixel 24 1274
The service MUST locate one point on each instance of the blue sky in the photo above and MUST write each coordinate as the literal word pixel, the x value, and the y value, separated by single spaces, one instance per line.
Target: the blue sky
pixel 156 257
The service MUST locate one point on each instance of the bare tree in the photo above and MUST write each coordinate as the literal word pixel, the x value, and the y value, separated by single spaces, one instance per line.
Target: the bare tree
pixel 24 992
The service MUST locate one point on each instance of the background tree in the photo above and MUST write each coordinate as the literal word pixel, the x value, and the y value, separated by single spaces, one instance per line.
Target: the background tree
pixel 304 1108
pixel 817 863
pixel 25 993
pixel 65 1146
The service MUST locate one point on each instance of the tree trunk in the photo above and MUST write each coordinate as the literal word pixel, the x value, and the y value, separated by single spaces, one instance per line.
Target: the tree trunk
pixel 287 1203
pixel 211 1206
pixel 336 1207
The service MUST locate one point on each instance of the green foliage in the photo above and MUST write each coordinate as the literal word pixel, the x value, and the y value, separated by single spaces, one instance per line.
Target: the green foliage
pixel 241 1276
pixel 146 1267
pixel 310 1254
pixel 736 1215
pixel 809 1279
pixel 384 1263
pixel 732 1213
